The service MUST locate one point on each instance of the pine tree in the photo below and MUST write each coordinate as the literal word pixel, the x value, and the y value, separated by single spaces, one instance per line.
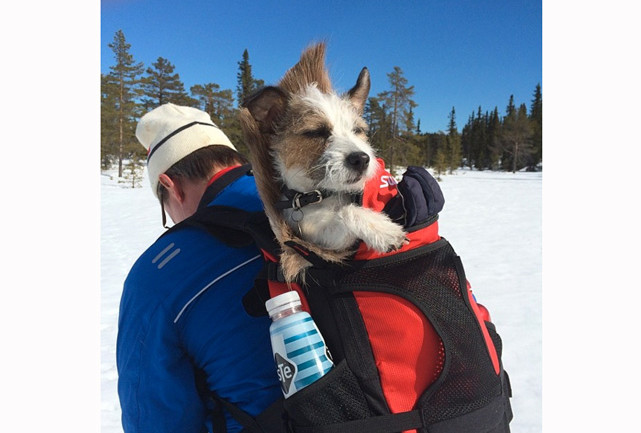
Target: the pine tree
pixel 380 131
pixel 219 104
pixel 424 145
pixel 467 145
pixel 399 104
pixel 536 116
pixel 454 153
pixel 246 81
pixel 399 101
pixel 480 140
pixel 516 134
pixel 536 110
pixel 510 109
pixel 212 100
pixel 408 151
pixel 108 122
pixel 492 138
pixel 440 158
pixel 162 85
pixel 473 140
pixel 433 143
pixel 409 125
pixel 133 174
pixel 502 145
pixel 119 90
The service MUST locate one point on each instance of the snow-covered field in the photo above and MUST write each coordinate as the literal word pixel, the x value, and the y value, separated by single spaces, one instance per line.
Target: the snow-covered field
pixel 492 219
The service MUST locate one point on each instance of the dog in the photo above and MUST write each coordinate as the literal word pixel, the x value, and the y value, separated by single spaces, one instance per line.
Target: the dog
pixel 310 155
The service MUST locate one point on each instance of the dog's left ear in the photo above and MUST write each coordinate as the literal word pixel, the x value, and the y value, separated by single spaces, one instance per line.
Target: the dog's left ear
pixel 266 106
pixel 358 93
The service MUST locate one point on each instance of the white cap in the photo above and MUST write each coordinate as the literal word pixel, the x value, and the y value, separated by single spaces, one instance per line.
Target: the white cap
pixel 171 132
pixel 282 302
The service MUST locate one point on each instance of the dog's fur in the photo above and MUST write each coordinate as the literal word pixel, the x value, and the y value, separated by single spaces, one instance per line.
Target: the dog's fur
pixel 303 135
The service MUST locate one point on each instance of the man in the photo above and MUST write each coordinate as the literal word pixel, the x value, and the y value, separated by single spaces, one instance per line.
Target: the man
pixel 183 335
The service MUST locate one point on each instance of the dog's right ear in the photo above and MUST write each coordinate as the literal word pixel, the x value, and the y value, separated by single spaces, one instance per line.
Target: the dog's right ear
pixel 358 93
pixel 266 105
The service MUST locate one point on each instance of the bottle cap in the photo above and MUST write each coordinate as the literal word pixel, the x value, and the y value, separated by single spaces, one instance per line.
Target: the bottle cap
pixel 282 302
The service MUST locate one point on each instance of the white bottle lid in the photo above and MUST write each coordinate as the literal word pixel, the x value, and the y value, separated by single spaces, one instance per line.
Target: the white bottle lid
pixel 282 302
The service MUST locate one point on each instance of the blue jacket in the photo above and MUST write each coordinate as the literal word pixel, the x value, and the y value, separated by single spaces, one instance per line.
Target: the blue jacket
pixel 181 308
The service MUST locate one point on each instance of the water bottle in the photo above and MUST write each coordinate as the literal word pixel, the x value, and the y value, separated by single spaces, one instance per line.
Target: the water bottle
pixel 300 353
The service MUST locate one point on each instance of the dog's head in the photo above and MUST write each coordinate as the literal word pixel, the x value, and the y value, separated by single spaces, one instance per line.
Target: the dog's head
pixel 313 137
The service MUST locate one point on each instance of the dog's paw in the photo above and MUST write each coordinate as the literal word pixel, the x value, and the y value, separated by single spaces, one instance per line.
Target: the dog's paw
pixel 375 229
pixel 392 248
pixel 385 236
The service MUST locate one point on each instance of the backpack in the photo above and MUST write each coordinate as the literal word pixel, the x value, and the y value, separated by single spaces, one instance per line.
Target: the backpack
pixel 382 316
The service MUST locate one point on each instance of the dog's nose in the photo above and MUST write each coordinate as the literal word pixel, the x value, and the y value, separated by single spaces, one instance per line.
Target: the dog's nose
pixel 358 160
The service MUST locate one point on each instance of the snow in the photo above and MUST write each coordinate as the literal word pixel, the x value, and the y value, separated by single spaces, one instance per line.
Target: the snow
pixel 492 219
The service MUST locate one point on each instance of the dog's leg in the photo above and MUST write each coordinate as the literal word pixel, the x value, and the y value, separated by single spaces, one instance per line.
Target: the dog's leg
pixel 338 230
pixel 374 228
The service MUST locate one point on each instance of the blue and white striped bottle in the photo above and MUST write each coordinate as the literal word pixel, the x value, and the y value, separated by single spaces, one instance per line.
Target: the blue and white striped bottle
pixel 300 353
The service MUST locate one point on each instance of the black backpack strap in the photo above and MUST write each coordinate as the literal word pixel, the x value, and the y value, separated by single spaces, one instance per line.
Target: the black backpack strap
pixel 222 222
pixel 254 300
pixel 272 419
pixel 268 421
pixel 377 424
pixel 213 407
pixel 307 254
pixel 235 227
pixel 246 420
pixel 222 182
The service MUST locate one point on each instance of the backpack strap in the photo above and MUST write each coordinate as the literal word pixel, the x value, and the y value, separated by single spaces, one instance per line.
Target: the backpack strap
pixel 307 254
pixel 268 421
pixel 234 227
pixel 377 424
pixel 222 182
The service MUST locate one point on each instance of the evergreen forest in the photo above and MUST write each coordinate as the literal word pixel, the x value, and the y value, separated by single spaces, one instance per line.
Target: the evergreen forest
pixel 508 140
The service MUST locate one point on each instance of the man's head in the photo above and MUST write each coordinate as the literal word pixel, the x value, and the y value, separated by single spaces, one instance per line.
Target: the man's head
pixel 185 149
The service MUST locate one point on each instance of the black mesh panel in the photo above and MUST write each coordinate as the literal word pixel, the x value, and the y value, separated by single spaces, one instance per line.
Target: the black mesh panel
pixel 336 397
pixel 430 280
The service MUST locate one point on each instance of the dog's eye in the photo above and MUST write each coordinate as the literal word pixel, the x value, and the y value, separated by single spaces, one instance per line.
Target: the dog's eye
pixel 358 130
pixel 322 132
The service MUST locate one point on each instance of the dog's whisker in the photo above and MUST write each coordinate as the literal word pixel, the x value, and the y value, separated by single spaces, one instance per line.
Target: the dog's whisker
pixel 321 167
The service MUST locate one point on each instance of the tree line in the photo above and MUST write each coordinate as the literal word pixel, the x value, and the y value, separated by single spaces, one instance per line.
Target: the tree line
pixel 487 141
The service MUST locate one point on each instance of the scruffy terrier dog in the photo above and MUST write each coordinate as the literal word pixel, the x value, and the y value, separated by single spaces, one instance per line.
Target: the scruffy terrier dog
pixel 310 155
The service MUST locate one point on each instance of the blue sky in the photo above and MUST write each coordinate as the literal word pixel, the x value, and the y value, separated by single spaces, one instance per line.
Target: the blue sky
pixel 461 54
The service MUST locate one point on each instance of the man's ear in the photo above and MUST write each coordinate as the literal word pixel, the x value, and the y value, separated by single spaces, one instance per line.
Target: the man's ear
pixel 173 187
pixel 266 106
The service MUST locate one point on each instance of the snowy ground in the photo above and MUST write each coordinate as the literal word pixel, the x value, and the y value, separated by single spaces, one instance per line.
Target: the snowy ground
pixel 492 219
